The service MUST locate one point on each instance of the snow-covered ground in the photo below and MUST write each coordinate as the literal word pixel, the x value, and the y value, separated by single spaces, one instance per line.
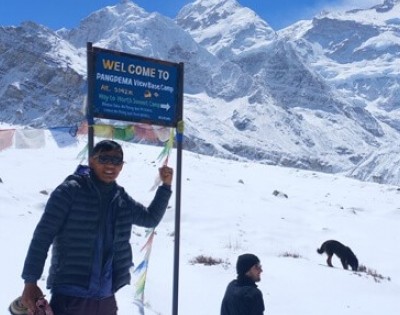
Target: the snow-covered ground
pixel 228 208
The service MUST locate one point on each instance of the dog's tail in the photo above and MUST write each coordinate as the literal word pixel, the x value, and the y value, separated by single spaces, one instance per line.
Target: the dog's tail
pixel 320 250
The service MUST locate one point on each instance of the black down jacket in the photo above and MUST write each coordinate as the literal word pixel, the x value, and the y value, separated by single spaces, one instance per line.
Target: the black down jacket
pixel 242 297
pixel 70 223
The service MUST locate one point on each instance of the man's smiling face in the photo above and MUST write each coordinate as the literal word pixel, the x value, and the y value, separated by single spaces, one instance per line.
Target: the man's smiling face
pixel 107 165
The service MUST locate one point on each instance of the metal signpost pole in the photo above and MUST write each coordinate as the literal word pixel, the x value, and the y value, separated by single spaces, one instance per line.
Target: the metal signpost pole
pixel 89 109
pixel 179 143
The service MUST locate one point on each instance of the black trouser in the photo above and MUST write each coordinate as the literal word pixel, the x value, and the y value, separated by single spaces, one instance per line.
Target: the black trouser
pixel 69 305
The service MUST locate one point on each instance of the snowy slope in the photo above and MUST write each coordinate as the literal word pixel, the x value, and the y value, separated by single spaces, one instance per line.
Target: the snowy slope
pixel 227 208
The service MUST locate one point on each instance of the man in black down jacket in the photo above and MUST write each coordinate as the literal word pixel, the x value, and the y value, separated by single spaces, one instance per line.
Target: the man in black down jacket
pixel 88 219
pixel 242 297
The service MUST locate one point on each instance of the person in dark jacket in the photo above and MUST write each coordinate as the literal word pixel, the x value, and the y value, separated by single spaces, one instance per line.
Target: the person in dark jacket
pixel 88 221
pixel 242 296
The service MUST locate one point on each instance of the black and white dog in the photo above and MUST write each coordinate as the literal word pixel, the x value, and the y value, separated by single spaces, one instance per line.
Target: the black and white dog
pixel 345 254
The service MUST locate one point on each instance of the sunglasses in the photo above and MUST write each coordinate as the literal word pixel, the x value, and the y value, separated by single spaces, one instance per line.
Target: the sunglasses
pixel 109 159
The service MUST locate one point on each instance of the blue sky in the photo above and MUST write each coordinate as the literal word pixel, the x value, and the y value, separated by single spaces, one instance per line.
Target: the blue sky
pixel 67 13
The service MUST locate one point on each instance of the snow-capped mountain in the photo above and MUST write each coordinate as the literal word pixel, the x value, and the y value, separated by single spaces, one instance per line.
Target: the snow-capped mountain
pixel 357 52
pixel 128 28
pixel 321 94
pixel 227 29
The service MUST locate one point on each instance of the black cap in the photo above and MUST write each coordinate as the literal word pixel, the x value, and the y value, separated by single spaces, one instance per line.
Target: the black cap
pixel 245 262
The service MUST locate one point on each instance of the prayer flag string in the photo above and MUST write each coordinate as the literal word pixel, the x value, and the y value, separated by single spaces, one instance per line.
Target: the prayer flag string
pixel 23 138
pixel 141 271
